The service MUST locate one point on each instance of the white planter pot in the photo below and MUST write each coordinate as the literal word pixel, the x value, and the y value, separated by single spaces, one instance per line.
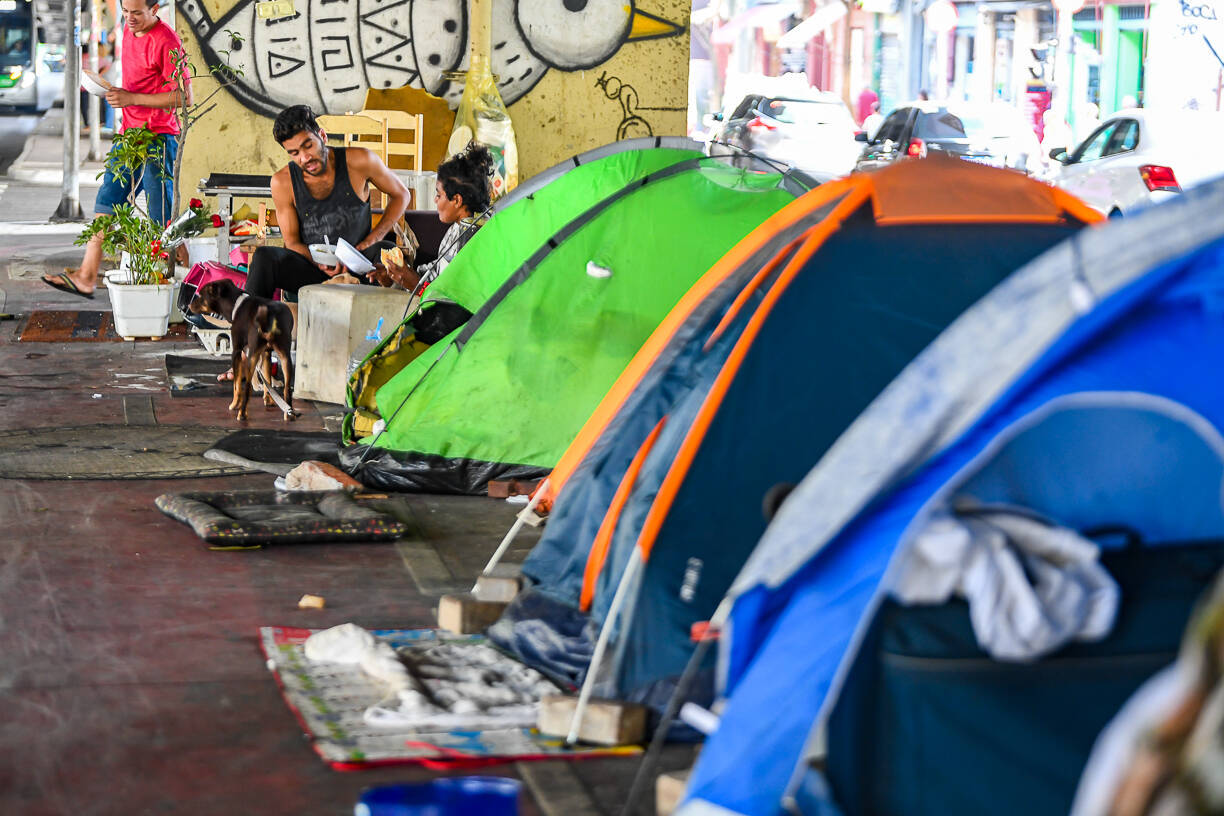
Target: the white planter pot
pixel 141 310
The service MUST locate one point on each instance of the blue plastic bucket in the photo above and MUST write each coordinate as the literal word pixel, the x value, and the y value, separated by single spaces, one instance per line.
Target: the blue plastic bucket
pixel 454 796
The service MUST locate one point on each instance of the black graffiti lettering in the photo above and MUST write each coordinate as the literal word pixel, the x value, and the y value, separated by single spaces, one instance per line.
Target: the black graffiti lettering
pixel 631 125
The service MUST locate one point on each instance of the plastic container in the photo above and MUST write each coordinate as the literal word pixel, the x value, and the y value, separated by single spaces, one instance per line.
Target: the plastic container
pixel 454 796
pixel 422 187
pixel 348 255
pixel 324 254
pixel 200 249
pixel 95 84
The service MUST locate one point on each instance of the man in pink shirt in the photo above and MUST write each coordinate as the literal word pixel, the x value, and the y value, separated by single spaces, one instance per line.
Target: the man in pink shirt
pixel 149 99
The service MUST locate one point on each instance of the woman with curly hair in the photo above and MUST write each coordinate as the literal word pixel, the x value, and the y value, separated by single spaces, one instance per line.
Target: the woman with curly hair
pixel 461 196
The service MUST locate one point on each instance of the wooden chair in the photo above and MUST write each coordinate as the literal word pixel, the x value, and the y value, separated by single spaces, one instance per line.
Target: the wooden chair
pixel 395 136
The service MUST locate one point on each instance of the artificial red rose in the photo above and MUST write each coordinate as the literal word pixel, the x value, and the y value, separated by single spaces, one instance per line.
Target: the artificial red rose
pixel 216 220
pixel 154 247
pixel 196 203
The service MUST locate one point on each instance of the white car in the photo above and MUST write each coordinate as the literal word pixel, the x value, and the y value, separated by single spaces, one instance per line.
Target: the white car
pixel 1141 156
pixel 812 131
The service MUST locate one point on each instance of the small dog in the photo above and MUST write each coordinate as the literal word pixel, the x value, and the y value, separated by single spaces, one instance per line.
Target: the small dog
pixel 258 326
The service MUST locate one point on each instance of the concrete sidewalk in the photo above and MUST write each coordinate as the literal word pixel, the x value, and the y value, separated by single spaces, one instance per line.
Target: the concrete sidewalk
pixel 30 247
pixel 42 160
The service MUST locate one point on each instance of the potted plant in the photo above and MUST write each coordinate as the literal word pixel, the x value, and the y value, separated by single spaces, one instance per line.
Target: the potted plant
pixel 143 296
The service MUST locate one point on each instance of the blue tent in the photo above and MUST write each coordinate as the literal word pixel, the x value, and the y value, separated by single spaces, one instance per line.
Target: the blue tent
pixel 1086 387
pixel 757 370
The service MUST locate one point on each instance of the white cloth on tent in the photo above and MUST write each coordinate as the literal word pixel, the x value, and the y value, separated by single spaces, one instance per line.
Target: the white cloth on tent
pixel 1031 587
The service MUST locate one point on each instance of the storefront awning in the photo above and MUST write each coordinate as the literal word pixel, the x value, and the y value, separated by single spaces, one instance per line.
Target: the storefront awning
pixel 823 18
pixel 751 18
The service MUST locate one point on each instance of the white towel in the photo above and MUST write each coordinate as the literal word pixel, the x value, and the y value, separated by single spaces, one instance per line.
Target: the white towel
pixel 1031 587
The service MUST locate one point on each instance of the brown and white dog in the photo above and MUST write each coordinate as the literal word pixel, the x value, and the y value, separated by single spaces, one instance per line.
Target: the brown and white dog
pixel 258 326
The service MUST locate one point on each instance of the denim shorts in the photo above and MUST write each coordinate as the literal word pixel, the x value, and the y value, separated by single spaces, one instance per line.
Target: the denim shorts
pixel 156 179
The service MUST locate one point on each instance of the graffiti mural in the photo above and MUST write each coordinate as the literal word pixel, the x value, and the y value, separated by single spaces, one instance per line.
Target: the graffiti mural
pixel 330 51
pixel 1185 61
pixel 632 125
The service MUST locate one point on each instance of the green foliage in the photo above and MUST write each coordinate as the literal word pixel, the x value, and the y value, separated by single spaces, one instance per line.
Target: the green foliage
pixel 129 229
pixel 131 149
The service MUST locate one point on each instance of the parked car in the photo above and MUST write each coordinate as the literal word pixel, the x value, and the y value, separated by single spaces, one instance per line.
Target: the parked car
pixel 989 134
pixel 1139 157
pixel 814 133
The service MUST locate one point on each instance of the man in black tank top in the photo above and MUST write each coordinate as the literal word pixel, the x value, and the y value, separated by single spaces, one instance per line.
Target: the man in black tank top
pixel 323 193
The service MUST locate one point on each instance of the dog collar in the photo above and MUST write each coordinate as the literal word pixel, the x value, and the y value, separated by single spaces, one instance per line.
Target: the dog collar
pixel 238 303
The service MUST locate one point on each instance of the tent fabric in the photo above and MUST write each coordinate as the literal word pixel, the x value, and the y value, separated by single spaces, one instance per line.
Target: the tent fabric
pixel 933 190
pixel 1107 310
pixel 525 220
pixel 942 189
pixel 506 392
pixel 754 374
pixel 922 701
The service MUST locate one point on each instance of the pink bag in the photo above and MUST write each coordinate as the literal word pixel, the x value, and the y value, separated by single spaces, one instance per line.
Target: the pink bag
pixel 204 273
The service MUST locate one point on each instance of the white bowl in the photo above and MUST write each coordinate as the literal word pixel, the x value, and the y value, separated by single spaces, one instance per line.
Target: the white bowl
pixel 324 254
pixel 94 83
pixel 350 257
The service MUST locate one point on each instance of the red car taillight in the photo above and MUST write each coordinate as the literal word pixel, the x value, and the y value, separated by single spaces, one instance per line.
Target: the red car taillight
pixel 760 124
pixel 1159 178
pixel 916 149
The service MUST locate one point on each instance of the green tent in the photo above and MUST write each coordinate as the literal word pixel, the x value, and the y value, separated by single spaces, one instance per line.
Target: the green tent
pixel 617 242
pixel 525 220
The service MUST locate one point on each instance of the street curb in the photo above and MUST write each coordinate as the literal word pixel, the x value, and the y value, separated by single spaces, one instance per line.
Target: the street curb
pixel 25 148
pixel 44 172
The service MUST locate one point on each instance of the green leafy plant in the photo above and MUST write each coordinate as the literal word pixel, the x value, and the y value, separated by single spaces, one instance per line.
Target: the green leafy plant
pixel 184 72
pixel 129 229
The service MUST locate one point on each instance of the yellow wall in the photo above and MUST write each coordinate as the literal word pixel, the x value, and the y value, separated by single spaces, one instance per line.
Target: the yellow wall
pixel 641 89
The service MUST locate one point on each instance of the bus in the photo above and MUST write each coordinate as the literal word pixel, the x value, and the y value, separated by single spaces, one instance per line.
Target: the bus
pixel 26 80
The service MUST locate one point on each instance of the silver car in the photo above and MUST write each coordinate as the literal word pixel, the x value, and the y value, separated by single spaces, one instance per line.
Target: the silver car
pixel 814 133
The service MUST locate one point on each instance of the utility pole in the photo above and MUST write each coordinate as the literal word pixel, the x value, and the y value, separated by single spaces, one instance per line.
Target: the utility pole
pixel 1063 53
pixel 848 93
pixel 95 104
pixel 69 208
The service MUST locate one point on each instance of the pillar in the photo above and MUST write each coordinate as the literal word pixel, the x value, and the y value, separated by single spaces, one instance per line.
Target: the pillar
pixel 1109 60
pixel 69 208
pixel 983 58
